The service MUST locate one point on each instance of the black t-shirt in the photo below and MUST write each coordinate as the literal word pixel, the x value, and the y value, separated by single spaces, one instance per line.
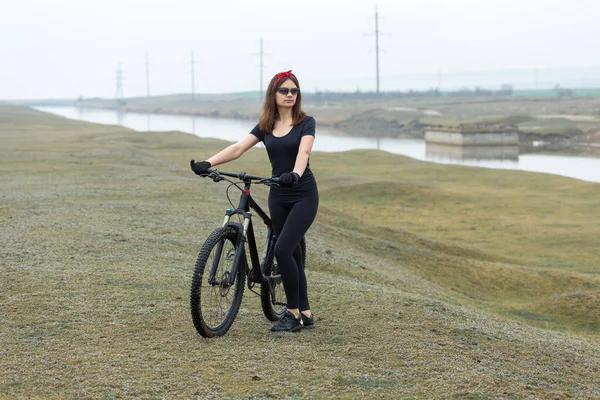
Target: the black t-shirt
pixel 284 150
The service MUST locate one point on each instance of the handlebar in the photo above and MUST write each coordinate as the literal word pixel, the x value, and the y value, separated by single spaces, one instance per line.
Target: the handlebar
pixel 217 176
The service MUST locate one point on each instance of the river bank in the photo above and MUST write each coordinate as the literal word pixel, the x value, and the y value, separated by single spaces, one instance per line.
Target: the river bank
pixel 573 163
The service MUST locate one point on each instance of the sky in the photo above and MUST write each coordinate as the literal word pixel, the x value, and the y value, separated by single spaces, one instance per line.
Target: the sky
pixel 68 48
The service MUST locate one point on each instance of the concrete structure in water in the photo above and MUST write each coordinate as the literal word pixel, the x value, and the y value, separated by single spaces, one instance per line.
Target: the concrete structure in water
pixel 472 136
pixel 448 152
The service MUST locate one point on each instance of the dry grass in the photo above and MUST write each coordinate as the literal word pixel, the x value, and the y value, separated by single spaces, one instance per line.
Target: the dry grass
pixel 101 226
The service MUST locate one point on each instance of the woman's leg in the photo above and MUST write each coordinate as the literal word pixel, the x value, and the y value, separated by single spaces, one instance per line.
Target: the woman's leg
pixel 296 224
pixel 279 212
pixel 302 284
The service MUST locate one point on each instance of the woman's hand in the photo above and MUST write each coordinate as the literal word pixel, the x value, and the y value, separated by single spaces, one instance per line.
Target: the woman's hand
pixel 200 167
pixel 289 179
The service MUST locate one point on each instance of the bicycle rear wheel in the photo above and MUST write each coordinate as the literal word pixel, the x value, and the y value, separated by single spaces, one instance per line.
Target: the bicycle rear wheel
pixel 272 293
pixel 214 305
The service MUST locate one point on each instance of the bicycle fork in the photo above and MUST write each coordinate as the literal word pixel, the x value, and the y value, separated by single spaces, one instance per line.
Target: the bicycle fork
pixel 239 249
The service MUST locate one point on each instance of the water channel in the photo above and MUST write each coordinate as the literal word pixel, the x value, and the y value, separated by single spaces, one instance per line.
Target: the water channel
pixel 583 168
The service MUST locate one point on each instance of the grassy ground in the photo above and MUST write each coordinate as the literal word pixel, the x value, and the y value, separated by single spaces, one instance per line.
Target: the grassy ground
pixel 427 281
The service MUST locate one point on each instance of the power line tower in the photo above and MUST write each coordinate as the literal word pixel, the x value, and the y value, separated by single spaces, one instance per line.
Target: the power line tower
pixel 147 76
pixel 193 77
pixel 377 46
pixel 119 81
pixel 260 96
pixel 377 33
pixel 261 54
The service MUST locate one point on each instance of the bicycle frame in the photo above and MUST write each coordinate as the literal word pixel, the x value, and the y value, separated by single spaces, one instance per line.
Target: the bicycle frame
pixel 246 203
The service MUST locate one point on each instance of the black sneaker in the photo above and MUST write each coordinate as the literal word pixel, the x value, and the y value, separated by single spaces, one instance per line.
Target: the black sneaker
pixel 309 322
pixel 288 323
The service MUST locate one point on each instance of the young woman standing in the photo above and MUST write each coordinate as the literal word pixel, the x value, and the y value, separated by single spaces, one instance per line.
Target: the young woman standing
pixel 288 135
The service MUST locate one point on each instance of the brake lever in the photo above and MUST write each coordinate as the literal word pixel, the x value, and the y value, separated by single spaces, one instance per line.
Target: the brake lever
pixel 215 176
pixel 268 182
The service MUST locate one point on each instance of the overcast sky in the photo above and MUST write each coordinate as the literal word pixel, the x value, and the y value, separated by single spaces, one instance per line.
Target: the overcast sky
pixel 67 48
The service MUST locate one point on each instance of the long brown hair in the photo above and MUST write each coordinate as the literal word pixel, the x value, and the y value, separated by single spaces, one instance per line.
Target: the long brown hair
pixel 270 114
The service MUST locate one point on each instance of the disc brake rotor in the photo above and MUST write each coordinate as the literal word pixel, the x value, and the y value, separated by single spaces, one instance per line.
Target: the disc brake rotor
pixel 223 287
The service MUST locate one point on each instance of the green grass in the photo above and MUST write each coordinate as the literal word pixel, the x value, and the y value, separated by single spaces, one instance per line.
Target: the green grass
pixel 427 281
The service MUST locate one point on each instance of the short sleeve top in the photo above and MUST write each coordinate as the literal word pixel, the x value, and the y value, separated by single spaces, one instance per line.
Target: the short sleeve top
pixel 283 150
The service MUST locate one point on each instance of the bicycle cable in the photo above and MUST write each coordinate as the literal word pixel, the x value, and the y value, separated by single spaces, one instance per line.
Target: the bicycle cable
pixel 229 198
pixel 236 184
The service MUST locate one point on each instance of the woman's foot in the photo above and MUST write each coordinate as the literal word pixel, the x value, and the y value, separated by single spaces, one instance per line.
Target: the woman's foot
pixel 308 322
pixel 288 323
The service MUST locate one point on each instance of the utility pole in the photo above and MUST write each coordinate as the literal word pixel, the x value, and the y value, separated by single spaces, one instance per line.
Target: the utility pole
pixel 193 76
pixel 147 77
pixel 439 79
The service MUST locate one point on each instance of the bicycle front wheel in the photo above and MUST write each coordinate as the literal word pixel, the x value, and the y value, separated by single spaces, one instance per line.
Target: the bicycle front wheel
pixel 214 300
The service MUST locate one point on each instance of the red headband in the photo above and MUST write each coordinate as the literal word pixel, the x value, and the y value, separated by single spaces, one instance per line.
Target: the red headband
pixel 282 75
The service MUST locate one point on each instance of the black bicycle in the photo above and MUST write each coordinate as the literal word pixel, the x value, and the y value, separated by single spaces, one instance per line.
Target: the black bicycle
pixel 222 267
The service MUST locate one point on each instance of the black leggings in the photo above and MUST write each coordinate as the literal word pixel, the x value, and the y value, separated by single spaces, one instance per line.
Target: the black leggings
pixel 292 211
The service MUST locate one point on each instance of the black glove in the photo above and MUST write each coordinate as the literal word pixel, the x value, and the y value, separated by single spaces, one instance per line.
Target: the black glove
pixel 289 179
pixel 200 167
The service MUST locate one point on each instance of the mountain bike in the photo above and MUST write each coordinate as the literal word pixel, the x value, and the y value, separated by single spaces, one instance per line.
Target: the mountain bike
pixel 221 267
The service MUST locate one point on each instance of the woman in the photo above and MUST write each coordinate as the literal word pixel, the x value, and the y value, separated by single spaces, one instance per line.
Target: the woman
pixel 288 135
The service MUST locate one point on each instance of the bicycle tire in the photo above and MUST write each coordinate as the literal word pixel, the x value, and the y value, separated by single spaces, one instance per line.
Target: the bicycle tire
pixel 202 292
pixel 273 284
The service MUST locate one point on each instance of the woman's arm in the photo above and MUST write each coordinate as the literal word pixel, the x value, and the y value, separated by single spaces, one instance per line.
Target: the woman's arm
pixel 306 145
pixel 234 151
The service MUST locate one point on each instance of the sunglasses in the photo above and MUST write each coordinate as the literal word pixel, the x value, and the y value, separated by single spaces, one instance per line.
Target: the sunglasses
pixel 285 91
